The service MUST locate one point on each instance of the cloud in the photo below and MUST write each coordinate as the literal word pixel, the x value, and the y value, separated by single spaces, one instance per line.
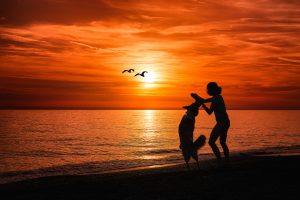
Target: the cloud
pixel 95 48
pixel 79 47
pixel 16 12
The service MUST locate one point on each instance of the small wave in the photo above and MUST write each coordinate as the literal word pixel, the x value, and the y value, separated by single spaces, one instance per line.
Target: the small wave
pixel 157 151
pixel 39 131
pixel 135 145
pixel 83 168
pixel 40 153
pixel 62 139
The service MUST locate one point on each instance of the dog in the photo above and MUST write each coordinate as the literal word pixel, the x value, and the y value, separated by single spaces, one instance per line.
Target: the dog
pixel 186 130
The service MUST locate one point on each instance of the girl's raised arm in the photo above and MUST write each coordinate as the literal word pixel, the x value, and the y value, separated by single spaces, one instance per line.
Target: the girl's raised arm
pixel 200 99
pixel 207 100
pixel 208 110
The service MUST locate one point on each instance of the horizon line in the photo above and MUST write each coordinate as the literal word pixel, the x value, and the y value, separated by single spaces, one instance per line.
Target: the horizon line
pixel 136 109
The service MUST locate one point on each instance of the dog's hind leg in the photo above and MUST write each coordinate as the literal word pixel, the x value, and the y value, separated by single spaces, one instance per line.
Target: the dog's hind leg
pixel 196 158
pixel 187 156
pixel 187 165
pixel 198 164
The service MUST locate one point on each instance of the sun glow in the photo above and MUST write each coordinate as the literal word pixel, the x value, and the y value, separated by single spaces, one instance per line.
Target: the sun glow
pixel 149 78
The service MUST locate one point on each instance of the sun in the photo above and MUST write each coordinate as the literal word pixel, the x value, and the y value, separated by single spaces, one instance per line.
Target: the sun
pixel 149 77
pixel 149 81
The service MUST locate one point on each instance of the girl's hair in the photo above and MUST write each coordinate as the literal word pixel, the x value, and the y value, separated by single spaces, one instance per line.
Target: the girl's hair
pixel 214 88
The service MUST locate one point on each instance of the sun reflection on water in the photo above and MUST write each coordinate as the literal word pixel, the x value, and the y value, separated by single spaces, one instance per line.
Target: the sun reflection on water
pixel 149 123
pixel 150 132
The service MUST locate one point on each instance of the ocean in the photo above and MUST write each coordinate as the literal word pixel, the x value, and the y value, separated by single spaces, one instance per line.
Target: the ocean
pixel 37 143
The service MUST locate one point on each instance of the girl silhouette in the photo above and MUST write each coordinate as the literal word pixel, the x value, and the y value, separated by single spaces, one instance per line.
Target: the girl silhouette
pixel 223 122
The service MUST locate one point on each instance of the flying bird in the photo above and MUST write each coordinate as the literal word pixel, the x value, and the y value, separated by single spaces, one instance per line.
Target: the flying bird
pixel 141 74
pixel 128 70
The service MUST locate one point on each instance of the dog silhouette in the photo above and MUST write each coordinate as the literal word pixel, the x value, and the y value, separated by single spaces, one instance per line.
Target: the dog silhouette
pixel 186 128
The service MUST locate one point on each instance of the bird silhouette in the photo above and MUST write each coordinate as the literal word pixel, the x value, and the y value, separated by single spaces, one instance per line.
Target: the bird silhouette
pixel 128 70
pixel 141 74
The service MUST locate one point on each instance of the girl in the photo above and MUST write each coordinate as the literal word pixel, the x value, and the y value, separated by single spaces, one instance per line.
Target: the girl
pixel 223 122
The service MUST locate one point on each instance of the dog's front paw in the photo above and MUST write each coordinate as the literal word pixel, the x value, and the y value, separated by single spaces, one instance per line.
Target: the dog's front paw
pixel 194 95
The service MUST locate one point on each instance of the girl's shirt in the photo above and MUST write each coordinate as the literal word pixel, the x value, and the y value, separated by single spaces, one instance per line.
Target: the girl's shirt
pixel 219 108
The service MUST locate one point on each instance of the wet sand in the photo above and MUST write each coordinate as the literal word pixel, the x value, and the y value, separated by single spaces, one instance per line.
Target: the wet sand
pixel 247 176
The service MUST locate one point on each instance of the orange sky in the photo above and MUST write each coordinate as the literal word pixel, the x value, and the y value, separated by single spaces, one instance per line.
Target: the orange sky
pixel 70 54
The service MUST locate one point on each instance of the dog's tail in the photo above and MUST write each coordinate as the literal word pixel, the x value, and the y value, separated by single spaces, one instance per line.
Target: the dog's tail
pixel 199 142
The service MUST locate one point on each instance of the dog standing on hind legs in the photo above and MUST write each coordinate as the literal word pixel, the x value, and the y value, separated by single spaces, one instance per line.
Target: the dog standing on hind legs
pixel 186 128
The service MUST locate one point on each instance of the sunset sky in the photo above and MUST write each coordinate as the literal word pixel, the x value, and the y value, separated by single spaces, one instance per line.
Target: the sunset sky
pixel 71 53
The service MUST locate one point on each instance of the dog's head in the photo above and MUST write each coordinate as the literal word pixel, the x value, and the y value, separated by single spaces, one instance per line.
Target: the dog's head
pixel 193 108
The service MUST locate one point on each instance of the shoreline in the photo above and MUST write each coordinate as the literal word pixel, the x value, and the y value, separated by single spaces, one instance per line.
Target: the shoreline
pixel 245 176
pixel 27 175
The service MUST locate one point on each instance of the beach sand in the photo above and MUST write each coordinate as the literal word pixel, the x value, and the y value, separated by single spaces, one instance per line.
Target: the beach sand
pixel 246 176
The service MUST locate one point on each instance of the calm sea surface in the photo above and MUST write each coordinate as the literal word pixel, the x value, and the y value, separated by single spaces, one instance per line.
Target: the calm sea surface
pixel 37 143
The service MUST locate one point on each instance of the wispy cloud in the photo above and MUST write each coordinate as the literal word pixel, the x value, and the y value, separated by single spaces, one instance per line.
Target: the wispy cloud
pixel 72 47
pixel 95 48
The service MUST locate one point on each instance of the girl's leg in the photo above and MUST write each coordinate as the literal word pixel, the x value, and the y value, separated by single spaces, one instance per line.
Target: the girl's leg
pixel 215 133
pixel 223 138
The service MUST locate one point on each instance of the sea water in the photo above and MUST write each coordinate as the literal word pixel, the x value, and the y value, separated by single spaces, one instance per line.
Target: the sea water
pixel 35 143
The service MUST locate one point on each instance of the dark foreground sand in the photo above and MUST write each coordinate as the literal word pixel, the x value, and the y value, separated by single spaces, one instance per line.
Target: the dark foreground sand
pixel 244 177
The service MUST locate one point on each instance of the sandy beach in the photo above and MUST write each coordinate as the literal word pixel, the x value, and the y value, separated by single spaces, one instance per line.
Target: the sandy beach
pixel 245 176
